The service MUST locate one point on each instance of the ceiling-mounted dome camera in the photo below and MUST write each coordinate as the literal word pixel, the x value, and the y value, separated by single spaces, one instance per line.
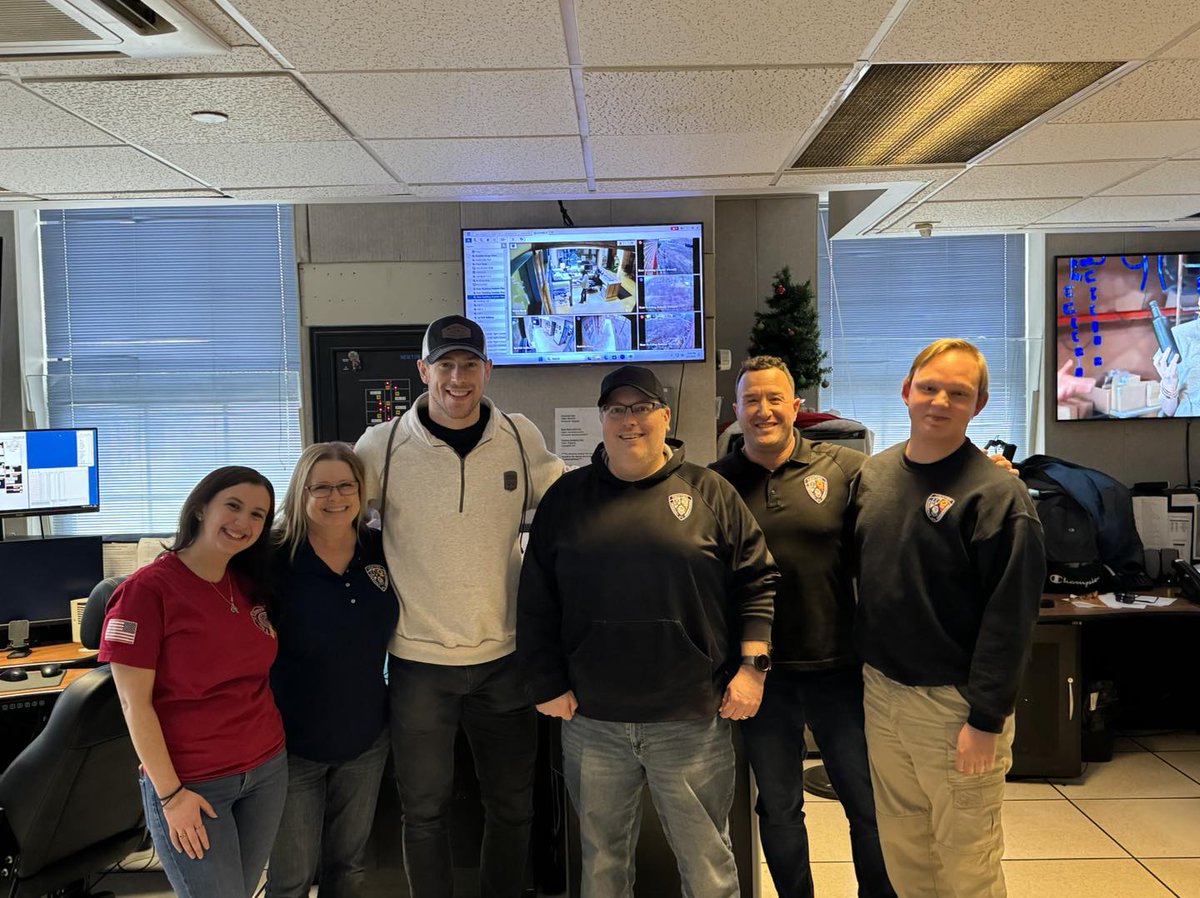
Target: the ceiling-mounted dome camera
pixel 924 228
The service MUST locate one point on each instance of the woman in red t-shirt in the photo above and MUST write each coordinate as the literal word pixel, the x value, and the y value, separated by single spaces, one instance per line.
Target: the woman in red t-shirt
pixel 191 648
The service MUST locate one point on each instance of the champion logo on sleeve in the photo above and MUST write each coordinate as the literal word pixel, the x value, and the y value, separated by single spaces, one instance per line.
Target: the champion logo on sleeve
pixel 117 630
pixel 936 506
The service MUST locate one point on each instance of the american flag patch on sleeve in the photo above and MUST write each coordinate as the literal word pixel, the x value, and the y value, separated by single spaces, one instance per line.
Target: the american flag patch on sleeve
pixel 117 630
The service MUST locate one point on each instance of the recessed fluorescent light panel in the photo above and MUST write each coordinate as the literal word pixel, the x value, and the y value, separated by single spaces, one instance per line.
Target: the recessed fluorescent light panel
pixel 935 114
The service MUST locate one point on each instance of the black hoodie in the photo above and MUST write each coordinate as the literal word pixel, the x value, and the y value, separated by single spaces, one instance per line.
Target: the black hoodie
pixel 637 594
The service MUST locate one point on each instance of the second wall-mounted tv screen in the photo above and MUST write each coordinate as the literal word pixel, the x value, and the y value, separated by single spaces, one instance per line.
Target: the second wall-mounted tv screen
pixel 607 294
pixel 1128 335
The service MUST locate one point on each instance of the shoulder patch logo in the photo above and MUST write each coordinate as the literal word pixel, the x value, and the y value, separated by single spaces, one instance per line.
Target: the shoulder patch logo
pixel 817 487
pixel 936 506
pixel 681 505
pixel 378 575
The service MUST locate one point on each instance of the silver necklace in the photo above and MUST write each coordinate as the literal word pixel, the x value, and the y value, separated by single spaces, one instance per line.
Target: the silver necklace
pixel 233 608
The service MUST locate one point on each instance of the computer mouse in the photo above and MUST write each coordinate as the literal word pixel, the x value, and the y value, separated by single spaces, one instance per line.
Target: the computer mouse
pixel 13 674
pixel 51 670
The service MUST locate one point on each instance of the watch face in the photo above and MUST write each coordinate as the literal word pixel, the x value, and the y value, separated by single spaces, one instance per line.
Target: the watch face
pixel 762 662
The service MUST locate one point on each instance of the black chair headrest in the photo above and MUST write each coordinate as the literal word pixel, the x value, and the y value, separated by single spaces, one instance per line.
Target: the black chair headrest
pixel 93 612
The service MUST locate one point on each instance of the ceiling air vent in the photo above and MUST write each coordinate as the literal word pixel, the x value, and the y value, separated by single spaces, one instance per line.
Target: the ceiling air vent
pixel 40 29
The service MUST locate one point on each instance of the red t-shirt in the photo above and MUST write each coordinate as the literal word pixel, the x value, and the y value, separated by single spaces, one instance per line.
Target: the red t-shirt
pixel 211 689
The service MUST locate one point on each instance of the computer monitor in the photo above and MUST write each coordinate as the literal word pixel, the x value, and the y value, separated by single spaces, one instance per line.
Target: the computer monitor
pixel 40 576
pixel 48 472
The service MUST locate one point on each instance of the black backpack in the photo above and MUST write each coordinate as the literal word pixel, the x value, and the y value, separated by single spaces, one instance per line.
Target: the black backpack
pixel 1087 517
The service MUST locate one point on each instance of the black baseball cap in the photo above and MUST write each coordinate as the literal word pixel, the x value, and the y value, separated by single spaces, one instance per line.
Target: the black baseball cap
pixel 635 376
pixel 450 333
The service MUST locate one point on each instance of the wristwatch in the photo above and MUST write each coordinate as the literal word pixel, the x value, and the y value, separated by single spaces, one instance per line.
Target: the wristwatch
pixel 758 662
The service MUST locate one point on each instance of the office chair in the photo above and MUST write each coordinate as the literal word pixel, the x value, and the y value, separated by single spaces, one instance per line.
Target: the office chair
pixel 69 803
pixel 92 623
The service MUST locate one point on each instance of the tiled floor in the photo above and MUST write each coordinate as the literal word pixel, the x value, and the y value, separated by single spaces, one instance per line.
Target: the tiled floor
pixel 1129 828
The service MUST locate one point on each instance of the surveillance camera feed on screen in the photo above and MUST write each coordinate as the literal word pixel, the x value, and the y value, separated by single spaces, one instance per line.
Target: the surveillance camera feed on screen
pixel 48 472
pixel 563 295
pixel 1128 331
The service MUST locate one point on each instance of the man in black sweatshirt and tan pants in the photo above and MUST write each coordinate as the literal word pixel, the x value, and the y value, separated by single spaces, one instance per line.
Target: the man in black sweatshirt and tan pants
pixel 950 569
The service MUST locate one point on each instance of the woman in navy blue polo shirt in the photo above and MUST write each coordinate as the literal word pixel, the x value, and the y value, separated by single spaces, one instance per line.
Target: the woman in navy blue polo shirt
pixel 334 613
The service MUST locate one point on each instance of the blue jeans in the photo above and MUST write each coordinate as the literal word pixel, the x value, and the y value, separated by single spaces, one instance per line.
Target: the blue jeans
pixel 831 702
pixel 326 820
pixel 428 704
pixel 248 807
pixel 689 767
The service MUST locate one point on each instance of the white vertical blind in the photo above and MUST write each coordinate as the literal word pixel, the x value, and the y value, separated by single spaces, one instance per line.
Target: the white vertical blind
pixel 883 299
pixel 174 331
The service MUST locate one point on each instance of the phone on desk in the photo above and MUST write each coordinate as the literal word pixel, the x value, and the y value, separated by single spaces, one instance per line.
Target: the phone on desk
pixel 1189 580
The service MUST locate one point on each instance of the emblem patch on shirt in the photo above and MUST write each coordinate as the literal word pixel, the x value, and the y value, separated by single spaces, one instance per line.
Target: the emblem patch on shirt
pixel 936 506
pixel 258 614
pixel 817 487
pixel 117 630
pixel 378 575
pixel 681 505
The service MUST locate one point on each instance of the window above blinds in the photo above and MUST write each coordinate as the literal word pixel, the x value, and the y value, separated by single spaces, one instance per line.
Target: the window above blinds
pixel 174 331
pixel 883 299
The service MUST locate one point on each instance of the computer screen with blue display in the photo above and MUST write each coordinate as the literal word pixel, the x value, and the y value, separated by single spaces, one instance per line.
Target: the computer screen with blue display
pixel 554 296
pixel 48 472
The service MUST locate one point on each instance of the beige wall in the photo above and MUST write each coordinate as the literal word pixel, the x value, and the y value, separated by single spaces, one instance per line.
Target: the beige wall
pixel 401 263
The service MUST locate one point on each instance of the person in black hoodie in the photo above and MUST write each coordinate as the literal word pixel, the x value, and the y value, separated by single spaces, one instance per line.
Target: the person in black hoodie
pixel 950 565
pixel 798 490
pixel 644 622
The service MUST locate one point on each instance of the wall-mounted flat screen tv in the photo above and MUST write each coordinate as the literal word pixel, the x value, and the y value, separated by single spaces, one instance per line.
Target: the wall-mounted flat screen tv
pixel 48 472
pixel 554 296
pixel 1128 336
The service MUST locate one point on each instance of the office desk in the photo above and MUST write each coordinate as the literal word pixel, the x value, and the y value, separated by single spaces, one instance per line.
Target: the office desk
pixel 23 712
pixel 1145 652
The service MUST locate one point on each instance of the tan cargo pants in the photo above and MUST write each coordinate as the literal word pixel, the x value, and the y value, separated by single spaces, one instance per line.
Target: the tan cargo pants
pixel 940 829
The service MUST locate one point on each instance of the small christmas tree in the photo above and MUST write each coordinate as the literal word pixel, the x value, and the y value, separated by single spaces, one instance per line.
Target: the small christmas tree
pixel 790 330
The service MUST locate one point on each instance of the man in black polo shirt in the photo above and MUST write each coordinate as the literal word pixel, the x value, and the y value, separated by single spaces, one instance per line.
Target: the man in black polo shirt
pixel 798 490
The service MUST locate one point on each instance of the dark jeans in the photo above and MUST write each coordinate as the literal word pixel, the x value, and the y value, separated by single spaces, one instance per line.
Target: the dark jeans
pixel 831 702
pixel 326 820
pixel 428 704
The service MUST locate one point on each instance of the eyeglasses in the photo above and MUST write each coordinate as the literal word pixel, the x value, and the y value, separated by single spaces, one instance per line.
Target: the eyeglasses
pixel 638 410
pixel 325 490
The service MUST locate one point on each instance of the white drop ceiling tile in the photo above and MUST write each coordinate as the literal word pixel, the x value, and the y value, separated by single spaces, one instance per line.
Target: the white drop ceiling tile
pixel 87 170
pixel 1188 48
pixel 30 121
pixel 1033 30
pixel 484 159
pixel 709 101
pixel 675 155
pixel 652 185
pixel 367 35
pixel 982 214
pixel 444 104
pixel 1167 178
pixel 240 59
pixel 260 108
pixel 1133 209
pixel 134 195
pixel 217 21
pixel 826 177
pixel 1165 90
pixel 1099 140
pixel 555 189
pixel 317 163
pixel 304 194
pixel 717 32
pixel 998 182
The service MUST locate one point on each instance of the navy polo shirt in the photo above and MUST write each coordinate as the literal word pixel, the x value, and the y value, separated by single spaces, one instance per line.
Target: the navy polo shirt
pixel 333 633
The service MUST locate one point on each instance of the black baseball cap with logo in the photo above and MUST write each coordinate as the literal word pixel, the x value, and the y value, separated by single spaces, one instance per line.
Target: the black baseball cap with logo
pixel 641 379
pixel 450 333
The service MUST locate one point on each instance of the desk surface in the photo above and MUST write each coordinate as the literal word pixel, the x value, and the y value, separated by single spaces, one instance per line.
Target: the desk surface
pixel 46 654
pixel 1088 606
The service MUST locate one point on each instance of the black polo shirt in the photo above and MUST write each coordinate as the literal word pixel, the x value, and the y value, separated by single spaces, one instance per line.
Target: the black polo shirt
pixel 333 633
pixel 801 508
